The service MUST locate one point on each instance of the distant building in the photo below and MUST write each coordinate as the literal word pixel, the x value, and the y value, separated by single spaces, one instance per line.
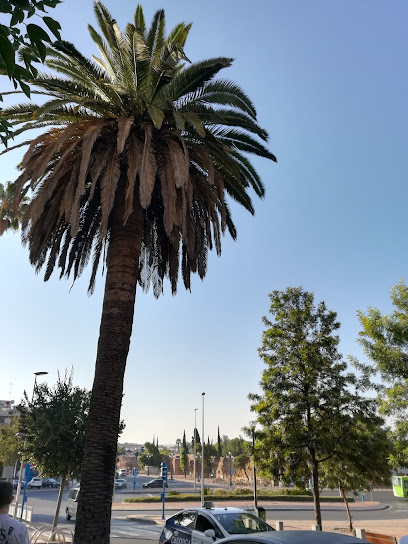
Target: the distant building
pixel 7 411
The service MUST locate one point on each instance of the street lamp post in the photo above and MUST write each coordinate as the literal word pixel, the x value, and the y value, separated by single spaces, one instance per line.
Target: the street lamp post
pixel 202 455
pixel 148 464
pixel 195 446
pixel 19 435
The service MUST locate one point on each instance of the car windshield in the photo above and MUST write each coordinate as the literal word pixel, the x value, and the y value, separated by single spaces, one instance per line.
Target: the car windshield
pixel 238 523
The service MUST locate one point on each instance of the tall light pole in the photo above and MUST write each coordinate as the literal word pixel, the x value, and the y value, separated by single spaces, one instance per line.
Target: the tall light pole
pixel 195 445
pixel 202 456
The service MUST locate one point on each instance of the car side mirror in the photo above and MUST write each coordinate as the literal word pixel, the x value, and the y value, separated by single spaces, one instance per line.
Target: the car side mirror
pixel 210 533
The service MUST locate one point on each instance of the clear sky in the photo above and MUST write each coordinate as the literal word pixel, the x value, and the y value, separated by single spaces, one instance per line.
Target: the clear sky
pixel 330 84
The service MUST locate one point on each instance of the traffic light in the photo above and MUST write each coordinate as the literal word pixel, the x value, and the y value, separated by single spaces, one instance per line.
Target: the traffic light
pixel 142 449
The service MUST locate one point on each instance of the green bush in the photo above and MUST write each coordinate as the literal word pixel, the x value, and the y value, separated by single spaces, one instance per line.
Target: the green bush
pixel 288 497
pixel 243 491
pixel 219 491
pixel 173 493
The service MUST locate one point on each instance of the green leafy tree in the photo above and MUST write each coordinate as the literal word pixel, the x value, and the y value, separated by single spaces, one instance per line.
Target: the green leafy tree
pixel 384 339
pixel 53 424
pixel 139 154
pixel 10 444
pixel 10 219
pixel 28 40
pixel 178 444
pixel 241 462
pixel 165 451
pixel 362 462
pixel 308 402
pixel 151 455
pixel 184 456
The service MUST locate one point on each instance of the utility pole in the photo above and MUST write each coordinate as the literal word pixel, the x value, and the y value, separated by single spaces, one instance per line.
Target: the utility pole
pixel 195 446
pixel 202 455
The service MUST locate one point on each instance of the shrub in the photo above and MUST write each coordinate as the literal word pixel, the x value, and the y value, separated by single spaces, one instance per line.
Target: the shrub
pixel 243 491
pixel 219 491
pixel 173 493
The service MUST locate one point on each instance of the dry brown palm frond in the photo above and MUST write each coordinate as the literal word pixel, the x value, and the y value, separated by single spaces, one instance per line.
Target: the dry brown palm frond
pixel 124 126
pixel 219 181
pixel 135 154
pixel 69 198
pixel 202 158
pixel 20 181
pixel 88 142
pixel 54 141
pixel 168 192
pixel 180 163
pixel 178 218
pixel 148 169
pixel 48 185
pixel 95 172
pixel 29 152
pixel 109 182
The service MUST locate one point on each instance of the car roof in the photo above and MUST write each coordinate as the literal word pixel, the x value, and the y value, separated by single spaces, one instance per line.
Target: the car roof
pixel 296 537
pixel 215 511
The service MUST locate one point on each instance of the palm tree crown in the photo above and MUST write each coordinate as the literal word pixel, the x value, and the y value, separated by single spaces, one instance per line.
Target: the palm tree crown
pixel 139 120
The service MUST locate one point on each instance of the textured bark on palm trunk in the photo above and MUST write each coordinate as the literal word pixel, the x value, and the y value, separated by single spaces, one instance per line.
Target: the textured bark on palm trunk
pixel 95 497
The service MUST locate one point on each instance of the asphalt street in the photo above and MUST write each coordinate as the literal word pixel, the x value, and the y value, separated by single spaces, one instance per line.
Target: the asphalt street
pixel 43 502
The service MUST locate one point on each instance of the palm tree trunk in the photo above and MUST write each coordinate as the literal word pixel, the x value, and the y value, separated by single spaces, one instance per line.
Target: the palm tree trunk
pixel 98 471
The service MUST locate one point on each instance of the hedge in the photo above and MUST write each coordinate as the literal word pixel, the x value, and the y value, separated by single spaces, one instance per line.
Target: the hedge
pixel 183 497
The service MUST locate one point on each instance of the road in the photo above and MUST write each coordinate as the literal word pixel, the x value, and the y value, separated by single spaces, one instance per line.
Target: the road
pixel 43 502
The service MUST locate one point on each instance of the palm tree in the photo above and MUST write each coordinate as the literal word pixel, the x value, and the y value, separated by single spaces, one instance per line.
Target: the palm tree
pixel 139 152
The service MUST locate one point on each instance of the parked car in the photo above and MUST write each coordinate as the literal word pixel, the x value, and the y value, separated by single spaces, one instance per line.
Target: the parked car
pixel 72 503
pixel 120 483
pixel 157 482
pixel 50 482
pixel 293 537
pixel 34 482
pixel 204 525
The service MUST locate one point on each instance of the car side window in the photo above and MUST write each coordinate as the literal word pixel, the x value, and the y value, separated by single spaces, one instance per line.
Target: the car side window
pixel 73 494
pixel 203 524
pixel 187 519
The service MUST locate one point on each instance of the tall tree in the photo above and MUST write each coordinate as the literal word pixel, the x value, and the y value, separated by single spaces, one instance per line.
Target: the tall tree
pixel 178 444
pixel 143 151
pixel 151 455
pixel 308 402
pixel 241 462
pixel 384 339
pixel 53 424
pixel 10 218
pixel 184 456
pixel 219 443
pixel 10 444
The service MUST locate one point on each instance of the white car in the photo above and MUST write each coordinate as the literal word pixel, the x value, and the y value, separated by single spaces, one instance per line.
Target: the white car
pixel 204 525
pixel 35 482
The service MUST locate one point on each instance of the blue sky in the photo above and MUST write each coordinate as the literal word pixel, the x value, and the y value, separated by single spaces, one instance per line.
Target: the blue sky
pixel 330 85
